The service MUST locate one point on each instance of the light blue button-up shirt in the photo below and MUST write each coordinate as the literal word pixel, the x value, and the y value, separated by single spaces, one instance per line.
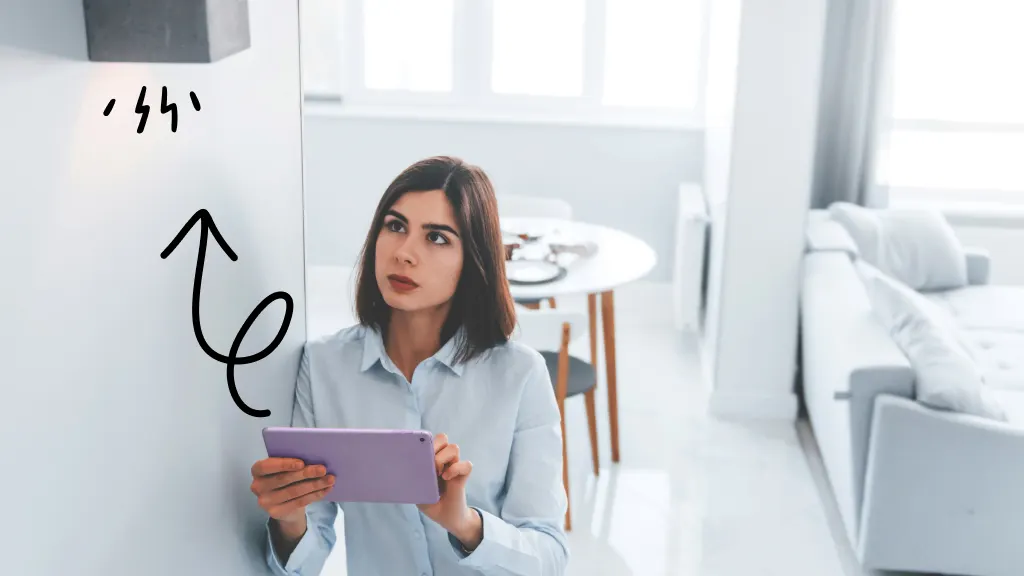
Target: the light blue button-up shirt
pixel 499 408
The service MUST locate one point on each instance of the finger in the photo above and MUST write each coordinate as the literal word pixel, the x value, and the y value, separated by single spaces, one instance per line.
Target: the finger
pixel 448 455
pixel 290 506
pixel 301 489
pixel 461 468
pixel 282 479
pixel 440 441
pixel 269 466
pixel 296 491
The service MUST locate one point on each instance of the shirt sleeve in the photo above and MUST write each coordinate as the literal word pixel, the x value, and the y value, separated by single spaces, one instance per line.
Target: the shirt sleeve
pixel 528 538
pixel 310 554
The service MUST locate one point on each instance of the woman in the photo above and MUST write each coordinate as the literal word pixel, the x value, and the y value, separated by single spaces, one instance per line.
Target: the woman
pixel 431 351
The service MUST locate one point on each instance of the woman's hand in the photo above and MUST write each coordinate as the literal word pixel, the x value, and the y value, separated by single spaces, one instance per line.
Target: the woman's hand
pixel 285 486
pixel 451 512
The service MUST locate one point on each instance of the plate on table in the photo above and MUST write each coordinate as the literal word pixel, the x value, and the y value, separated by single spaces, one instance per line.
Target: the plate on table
pixel 510 238
pixel 532 271
pixel 584 249
pixel 522 235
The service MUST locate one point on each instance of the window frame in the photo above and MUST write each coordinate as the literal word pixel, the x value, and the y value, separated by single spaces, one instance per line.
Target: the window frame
pixel 887 123
pixel 471 96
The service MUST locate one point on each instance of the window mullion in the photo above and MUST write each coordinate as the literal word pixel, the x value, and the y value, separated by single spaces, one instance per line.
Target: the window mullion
pixel 700 104
pixel 318 50
pixel 594 53
pixel 472 52
pixel 353 80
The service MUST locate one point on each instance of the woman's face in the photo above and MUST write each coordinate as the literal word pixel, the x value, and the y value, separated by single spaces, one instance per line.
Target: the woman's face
pixel 419 252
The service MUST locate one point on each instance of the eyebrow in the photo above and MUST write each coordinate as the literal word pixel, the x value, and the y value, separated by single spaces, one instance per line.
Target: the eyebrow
pixel 427 226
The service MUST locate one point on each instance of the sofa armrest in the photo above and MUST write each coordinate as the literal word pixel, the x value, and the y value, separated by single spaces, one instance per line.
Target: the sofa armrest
pixel 979 266
pixel 843 342
pixel 944 492
pixel 823 234
pixel 848 359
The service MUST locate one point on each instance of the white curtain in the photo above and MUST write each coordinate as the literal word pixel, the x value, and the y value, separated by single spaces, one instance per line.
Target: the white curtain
pixel 857 33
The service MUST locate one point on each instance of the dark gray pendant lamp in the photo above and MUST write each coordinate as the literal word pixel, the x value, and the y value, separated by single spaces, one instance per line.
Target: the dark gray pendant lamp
pixel 185 31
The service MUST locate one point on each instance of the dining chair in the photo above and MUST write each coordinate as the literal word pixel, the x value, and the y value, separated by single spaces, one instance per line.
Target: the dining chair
pixel 520 206
pixel 550 332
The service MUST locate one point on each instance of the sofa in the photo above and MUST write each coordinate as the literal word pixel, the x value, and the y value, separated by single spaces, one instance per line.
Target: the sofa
pixel 919 489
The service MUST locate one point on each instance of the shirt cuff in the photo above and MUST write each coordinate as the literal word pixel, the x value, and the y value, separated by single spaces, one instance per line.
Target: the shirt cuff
pixel 302 550
pixel 497 535
pixel 460 550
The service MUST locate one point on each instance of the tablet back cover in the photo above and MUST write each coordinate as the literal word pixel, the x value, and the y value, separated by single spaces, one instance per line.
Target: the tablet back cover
pixel 393 466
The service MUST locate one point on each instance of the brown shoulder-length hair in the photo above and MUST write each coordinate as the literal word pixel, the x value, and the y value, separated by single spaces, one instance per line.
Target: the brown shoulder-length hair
pixel 482 304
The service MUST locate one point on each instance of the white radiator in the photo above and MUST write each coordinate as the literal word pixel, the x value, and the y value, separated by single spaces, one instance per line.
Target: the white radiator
pixel 689 267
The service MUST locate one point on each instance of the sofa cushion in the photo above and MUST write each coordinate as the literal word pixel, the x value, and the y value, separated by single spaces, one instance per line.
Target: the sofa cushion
pixel 991 324
pixel 917 247
pixel 1012 402
pixel 984 307
pixel 999 356
pixel 946 375
pixel 823 234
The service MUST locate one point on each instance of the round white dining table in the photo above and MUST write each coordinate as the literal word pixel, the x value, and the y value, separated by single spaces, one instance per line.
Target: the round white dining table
pixel 618 259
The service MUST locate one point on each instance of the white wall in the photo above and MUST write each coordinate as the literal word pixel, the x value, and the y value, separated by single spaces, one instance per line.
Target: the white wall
pixel 999 229
pixel 720 96
pixel 627 178
pixel 753 323
pixel 124 453
pixel 1005 244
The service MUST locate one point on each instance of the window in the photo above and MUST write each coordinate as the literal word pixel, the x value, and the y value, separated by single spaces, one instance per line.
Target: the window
pixel 538 47
pixel 628 60
pixel 954 109
pixel 412 52
pixel 664 35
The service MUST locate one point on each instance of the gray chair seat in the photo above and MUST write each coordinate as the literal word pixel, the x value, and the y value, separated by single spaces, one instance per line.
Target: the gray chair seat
pixel 582 377
pixel 529 300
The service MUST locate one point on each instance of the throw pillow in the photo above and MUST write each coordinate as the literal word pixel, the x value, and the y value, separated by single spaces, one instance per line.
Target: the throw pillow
pixel 946 375
pixel 917 247
pixel 823 234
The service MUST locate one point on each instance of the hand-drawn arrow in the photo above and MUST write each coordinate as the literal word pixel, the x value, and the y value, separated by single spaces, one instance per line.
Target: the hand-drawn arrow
pixel 207 226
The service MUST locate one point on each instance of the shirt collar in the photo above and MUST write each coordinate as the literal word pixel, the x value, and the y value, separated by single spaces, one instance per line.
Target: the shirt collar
pixel 446 355
pixel 373 348
pixel 374 351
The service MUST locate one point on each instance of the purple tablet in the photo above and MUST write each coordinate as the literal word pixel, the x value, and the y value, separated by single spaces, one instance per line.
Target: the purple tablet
pixel 394 466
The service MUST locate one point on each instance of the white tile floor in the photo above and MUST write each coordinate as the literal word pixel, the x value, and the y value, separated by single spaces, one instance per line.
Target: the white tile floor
pixel 692 495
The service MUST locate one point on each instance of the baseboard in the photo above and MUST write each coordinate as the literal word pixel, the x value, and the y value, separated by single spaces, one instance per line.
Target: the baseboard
pixel 754 407
pixel 812 452
pixel 706 363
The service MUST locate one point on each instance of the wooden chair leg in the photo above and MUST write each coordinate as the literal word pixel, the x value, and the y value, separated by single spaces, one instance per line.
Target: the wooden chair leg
pixel 561 389
pixel 592 423
pixel 591 408
pixel 532 305
pixel 608 316
pixel 551 303
pixel 565 471
pixel 592 309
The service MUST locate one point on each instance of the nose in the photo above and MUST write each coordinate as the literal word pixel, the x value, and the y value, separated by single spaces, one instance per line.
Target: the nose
pixel 406 252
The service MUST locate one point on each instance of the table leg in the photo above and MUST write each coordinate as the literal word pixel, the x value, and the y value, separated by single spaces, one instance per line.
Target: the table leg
pixel 591 412
pixel 592 310
pixel 608 317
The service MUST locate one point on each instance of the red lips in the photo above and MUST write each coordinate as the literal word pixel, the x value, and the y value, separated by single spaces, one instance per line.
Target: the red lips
pixel 402 283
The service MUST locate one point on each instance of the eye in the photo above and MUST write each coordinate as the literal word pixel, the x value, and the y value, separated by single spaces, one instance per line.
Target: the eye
pixel 394 225
pixel 437 238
